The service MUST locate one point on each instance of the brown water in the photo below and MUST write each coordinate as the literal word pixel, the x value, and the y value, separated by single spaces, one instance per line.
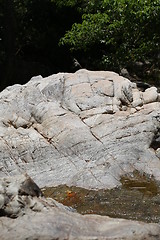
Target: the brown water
pixel 137 199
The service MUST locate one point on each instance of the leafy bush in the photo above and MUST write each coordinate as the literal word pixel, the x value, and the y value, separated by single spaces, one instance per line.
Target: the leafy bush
pixel 124 31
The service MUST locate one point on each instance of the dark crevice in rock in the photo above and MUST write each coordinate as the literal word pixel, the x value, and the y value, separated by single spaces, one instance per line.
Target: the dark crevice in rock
pixel 79 107
pixel 95 137
pixel 143 85
pixel 10 123
pixel 46 138
pixel 155 144
pixel 63 80
pixel 2 213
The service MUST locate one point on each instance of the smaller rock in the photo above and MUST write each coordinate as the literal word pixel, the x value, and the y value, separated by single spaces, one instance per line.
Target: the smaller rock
pixel 137 98
pixel 150 95
pixel 1 201
pixel 158 153
pixel 29 187
pixel 124 108
pixel 123 90
pixel 124 72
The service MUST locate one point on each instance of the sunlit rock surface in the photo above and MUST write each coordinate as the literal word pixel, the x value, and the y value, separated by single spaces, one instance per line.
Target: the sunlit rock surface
pixel 84 129
pixel 26 214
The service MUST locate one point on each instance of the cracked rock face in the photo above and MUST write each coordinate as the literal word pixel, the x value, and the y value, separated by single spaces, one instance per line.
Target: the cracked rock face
pixel 25 214
pixel 84 129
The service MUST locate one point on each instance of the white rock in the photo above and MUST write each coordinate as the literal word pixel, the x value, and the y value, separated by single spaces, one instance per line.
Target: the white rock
pixel 71 129
pixel 137 98
pixel 51 126
pixel 150 95
pixel 1 201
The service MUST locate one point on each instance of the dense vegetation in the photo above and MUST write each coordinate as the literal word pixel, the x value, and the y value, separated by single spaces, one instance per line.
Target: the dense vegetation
pixel 123 31
pixel 43 36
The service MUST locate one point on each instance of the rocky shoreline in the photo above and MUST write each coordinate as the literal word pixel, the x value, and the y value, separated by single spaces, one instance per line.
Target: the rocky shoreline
pixel 26 214
pixel 84 129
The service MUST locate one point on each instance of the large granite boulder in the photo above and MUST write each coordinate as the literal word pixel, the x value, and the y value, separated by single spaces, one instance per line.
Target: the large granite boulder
pixel 84 129
pixel 26 214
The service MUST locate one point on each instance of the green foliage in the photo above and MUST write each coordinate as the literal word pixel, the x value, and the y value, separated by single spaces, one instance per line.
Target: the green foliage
pixel 85 35
pixel 123 30
pixel 107 34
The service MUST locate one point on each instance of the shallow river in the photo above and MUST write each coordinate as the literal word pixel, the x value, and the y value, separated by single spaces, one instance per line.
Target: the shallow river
pixel 138 198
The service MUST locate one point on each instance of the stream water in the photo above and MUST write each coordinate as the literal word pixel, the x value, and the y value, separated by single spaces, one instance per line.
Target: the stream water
pixel 138 198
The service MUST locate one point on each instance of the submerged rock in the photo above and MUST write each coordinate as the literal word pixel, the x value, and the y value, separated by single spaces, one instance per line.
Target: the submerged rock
pixel 84 129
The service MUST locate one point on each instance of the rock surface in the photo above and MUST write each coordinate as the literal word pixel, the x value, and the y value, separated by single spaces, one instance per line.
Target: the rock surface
pixel 25 214
pixel 84 129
